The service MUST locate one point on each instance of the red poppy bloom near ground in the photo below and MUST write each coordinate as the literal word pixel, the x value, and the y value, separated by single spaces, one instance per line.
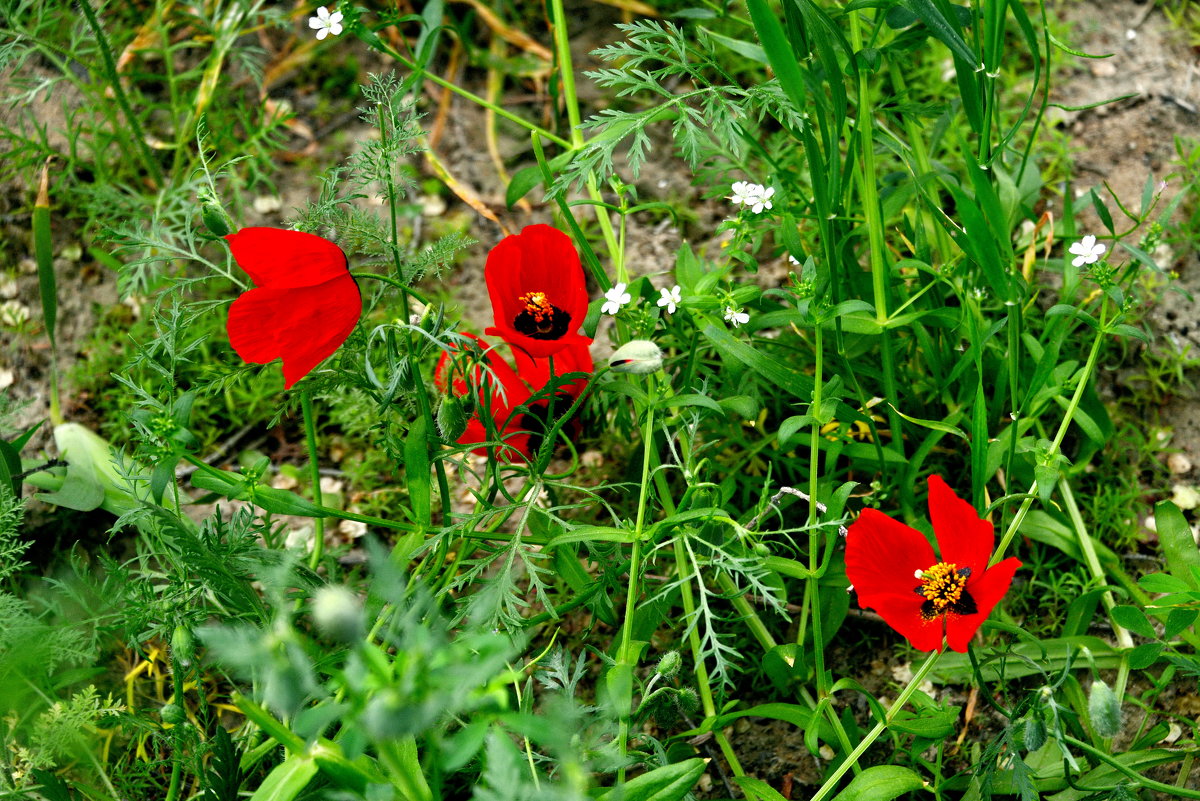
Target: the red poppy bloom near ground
pixel 304 305
pixel 537 289
pixel 895 572
pixel 521 429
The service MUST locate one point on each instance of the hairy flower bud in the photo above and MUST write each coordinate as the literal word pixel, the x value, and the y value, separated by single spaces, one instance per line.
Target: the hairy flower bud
pixel 1104 709
pixel 669 665
pixel 638 356
pixel 451 419
pixel 337 613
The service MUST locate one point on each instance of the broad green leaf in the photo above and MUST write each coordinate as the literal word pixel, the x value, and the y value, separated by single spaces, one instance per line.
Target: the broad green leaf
pixel 1178 620
pixel 1175 536
pixel 1145 655
pixel 592 534
pixel 773 370
pixel 668 783
pixel 954 668
pixel 287 780
pixel 416 472
pixel 757 789
pixel 1134 619
pixel 881 783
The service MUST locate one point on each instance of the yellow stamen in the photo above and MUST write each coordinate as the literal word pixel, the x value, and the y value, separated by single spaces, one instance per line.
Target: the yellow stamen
pixel 537 304
pixel 943 584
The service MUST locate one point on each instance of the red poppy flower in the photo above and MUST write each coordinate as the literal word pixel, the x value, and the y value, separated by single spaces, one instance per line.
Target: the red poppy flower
pixel 538 294
pixel 305 304
pixel 519 423
pixel 895 572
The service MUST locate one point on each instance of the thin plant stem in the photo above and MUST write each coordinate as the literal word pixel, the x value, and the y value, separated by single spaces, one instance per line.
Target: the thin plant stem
pixel 177 757
pixel 466 95
pixel 625 658
pixel 566 70
pixel 876 245
pixel 310 439
pixel 880 727
pixel 114 81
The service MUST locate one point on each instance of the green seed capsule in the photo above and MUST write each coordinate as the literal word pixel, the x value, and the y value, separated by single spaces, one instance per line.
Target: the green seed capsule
pixel 1104 709
pixel 173 714
pixel 214 219
pixel 451 418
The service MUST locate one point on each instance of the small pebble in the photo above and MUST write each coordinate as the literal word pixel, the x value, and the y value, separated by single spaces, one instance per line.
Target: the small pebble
pixel 353 529
pixel 7 377
pixel 1179 464
pixel 8 288
pixel 267 204
pixel 13 313
pixel 1185 497
pixel 433 205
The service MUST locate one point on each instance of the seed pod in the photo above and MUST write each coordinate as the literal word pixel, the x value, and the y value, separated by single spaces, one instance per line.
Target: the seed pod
pixel 451 418
pixel 669 665
pixel 183 647
pixel 337 613
pixel 173 714
pixel 638 356
pixel 214 219
pixel 1035 734
pixel 1104 709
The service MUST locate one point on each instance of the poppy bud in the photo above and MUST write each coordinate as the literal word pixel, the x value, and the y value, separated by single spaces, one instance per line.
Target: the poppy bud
pixel 1104 709
pixel 337 613
pixel 639 356
pixel 669 665
pixel 182 646
pixel 687 700
pixel 214 219
pixel 173 714
pixel 451 418
pixel 1035 734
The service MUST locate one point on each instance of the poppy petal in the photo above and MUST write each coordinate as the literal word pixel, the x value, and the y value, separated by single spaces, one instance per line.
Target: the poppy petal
pixel 283 259
pixel 986 591
pixel 882 555
pixel 962 536
pixel 903 613
pixel 540 259
pixel 303 326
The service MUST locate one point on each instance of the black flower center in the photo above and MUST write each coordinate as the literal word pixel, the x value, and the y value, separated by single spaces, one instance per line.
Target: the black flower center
pixel 944 588
pixel 539 318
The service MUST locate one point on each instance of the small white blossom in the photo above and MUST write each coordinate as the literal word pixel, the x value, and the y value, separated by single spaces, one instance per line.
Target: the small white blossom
pixel 736 316
pixel 1087 251
pixel 671 298
pixel 615 298
pixel 755 197
pixel 325 23
pixel 762 201
pixel 795 262
pixel 13 313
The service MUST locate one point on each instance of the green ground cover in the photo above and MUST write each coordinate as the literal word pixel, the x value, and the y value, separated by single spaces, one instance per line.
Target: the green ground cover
pixel 454 549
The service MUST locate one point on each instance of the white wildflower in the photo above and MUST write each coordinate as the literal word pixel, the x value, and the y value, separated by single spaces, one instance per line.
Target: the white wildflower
pixel 13 313
pixel 671 298
pixel 615 298
pixel 736 316
pixel 1087 251
pixel 326 24
pixel 755 197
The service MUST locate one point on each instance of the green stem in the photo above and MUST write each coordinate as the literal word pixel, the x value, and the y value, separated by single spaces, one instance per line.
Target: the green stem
pixel 1084 377
pixel 880 727
pixel 310 438
pixel 562 51
pixel 114 81
pixel 177 757
pixel 814 460
pixel 1098 574
pixel 463 93
pixel 1170 790
pixel 625 658
pixel 876 244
